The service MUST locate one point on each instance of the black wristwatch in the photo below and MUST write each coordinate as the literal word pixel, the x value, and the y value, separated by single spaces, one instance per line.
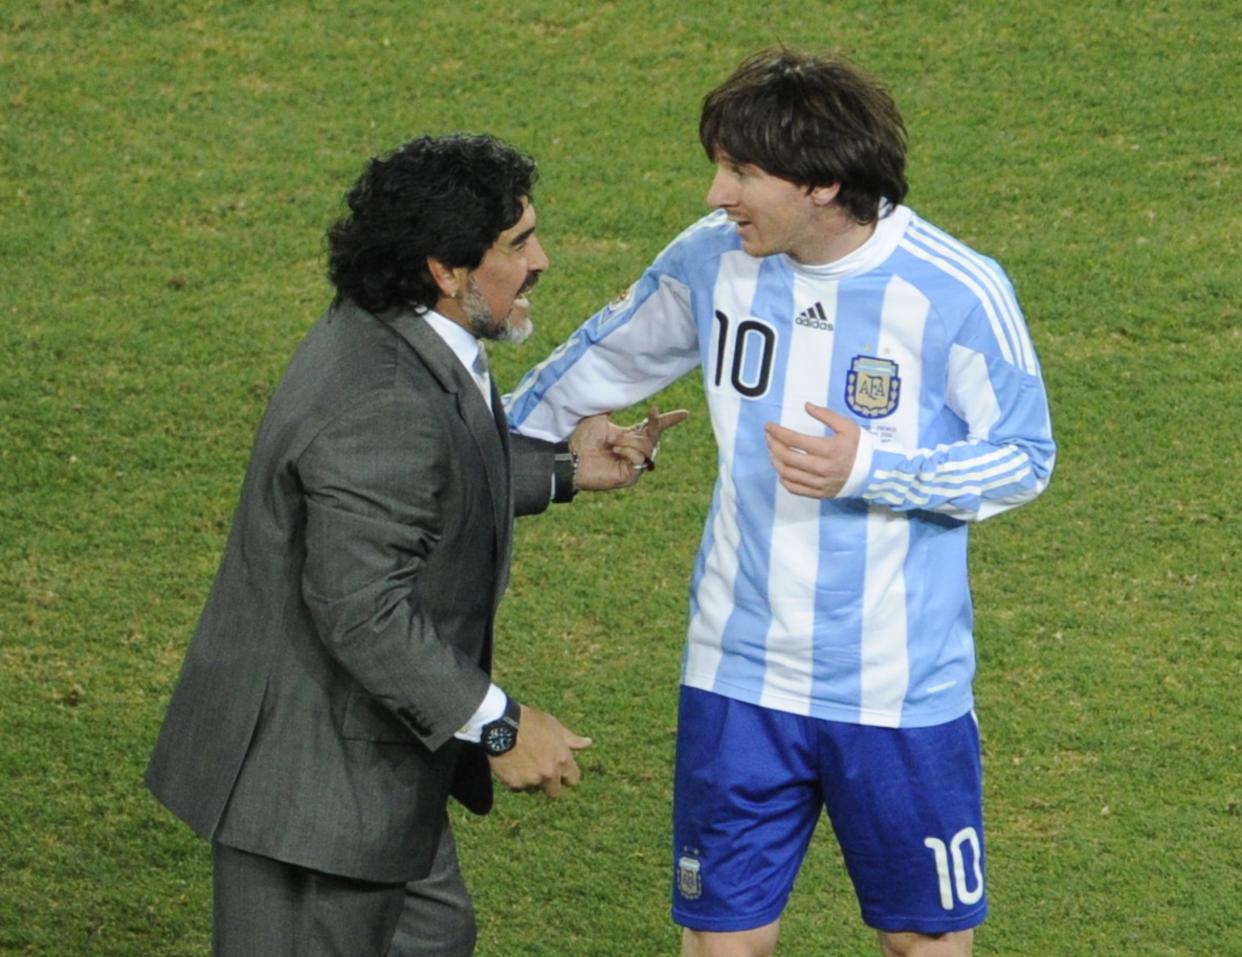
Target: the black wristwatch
pixel 500 736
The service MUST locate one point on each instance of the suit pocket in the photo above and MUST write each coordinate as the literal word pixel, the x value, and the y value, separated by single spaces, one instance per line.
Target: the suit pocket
pixel 366 719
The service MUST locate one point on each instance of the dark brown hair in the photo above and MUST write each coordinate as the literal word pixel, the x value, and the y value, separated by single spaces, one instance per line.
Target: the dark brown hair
pixel 813 120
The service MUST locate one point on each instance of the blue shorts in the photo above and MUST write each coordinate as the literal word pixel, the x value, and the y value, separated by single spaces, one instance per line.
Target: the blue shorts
pixel 905 803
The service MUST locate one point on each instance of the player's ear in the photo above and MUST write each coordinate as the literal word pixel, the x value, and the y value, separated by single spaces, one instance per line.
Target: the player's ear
pixel 824 195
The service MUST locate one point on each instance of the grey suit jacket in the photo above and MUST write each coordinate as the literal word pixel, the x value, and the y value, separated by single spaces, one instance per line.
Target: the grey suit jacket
pixel 348 633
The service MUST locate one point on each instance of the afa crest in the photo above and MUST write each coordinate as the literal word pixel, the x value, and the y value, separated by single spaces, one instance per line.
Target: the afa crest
pixel 872 387
pixel 689 877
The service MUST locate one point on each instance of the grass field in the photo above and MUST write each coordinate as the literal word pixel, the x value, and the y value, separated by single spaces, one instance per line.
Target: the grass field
pixel 167 170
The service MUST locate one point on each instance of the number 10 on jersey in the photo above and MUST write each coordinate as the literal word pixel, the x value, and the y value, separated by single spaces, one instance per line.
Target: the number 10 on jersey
pixel 952 867
pixel 753 347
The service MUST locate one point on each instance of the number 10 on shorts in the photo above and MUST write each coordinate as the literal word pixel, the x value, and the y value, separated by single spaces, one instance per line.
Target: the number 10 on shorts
pixel 951 867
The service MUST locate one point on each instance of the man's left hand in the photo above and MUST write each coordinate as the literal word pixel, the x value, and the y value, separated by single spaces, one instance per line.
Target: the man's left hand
pixel 814 466
pixel 612 457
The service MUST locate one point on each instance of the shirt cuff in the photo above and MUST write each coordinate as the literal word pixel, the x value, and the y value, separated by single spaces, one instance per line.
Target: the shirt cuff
pixel 861 468
pixel 491 709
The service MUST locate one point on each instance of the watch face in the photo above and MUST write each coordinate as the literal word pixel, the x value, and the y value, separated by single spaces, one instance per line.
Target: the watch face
pixel 499 738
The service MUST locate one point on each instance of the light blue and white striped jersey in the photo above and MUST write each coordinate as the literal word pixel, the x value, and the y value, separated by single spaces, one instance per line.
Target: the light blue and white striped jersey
pixel 856 608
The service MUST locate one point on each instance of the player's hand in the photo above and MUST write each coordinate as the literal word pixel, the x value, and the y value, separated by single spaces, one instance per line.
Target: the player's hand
pixel 612 457
pixel 814 466
pixel 543 758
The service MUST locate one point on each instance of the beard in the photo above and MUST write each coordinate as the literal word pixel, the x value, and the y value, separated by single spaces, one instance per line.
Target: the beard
pixel 515 327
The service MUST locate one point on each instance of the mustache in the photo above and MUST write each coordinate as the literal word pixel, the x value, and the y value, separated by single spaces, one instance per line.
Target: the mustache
pixel 531 282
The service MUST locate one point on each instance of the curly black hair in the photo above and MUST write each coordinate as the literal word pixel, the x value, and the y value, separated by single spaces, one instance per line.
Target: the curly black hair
pixel 446 197
pixel 813 120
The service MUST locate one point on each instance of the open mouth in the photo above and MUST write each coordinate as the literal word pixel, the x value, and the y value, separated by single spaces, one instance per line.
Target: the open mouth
pixel 522 300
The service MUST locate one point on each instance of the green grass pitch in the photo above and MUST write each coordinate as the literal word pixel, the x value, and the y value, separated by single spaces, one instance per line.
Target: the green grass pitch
pixel 167 170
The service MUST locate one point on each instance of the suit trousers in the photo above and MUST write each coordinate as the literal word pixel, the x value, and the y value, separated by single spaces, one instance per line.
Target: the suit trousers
pixel 267 907
pixel 437 917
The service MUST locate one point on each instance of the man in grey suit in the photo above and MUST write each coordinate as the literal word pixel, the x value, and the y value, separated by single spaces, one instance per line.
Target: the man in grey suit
pixel 336 690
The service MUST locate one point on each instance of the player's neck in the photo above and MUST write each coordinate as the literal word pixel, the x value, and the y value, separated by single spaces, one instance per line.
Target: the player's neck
pixel 838 236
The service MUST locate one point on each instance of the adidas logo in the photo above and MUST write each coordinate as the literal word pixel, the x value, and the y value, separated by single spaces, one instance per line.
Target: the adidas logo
pixel 815 318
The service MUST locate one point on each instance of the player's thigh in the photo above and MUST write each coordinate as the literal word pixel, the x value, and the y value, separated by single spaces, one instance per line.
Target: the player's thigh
pixel 745 804
pixel 907 807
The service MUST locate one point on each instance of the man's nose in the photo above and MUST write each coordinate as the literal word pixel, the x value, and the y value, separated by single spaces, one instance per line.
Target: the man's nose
pixel 538 258
pixel 721 192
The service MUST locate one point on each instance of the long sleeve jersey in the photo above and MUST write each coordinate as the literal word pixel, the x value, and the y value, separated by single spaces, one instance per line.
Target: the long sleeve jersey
pixel 855 608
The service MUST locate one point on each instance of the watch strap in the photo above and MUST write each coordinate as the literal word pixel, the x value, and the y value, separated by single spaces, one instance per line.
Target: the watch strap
pixel 513 712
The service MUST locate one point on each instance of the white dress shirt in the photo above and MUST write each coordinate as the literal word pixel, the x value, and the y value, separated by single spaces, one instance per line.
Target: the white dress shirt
pixel 466 347
pixel 469 352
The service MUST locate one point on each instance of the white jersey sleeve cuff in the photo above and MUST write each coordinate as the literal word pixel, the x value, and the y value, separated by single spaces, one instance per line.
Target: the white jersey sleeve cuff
pixel 861 468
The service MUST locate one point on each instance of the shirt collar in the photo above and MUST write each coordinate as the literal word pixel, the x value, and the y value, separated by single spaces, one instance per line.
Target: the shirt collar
pixel 889 229
pixel 456 336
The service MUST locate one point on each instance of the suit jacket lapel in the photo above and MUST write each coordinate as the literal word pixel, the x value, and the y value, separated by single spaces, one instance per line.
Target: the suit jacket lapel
pixel 489 430
pixel 505 543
